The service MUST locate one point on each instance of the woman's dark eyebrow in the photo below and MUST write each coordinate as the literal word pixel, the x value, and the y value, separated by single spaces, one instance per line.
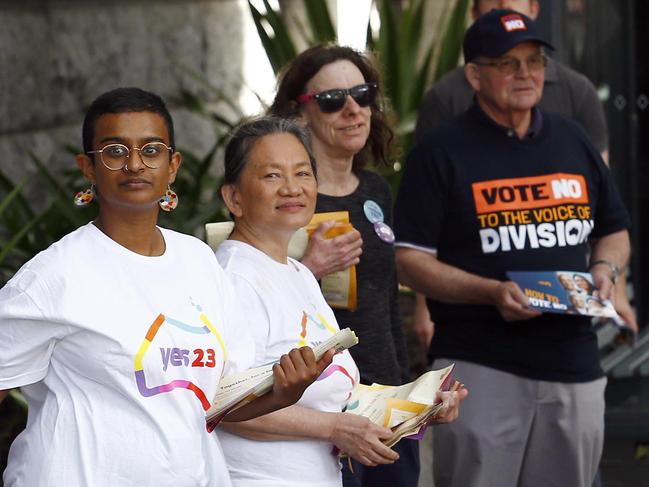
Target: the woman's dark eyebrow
pixel 121 140
pixel 278 165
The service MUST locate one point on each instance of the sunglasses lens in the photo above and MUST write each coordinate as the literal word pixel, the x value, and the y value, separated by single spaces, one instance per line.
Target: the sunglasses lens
pixel 334 100
pixel 331 101
pixel 364 95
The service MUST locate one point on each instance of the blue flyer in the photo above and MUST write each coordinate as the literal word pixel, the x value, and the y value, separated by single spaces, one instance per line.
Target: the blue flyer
pixel 566 292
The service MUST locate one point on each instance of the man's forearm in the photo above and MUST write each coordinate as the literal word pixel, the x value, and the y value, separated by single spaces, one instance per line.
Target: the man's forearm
pixel 609 255
pixel 424 273
pixel 3 394
pixel 614 249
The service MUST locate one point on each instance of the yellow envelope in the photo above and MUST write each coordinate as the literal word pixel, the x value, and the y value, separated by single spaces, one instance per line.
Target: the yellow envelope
pixel 338 288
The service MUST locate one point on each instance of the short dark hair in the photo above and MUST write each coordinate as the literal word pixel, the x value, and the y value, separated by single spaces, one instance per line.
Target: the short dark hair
pixel 124 100
pixel 237 152
pixel 299 72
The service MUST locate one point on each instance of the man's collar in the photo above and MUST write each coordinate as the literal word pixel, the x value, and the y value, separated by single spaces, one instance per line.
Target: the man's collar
pixel 536 121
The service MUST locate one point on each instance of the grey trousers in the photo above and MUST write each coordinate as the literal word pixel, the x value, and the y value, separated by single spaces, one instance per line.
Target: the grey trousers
pixel 517 432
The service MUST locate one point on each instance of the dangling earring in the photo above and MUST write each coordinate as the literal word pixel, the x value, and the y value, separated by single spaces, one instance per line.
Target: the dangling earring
pixel 169 201
pixel 84 198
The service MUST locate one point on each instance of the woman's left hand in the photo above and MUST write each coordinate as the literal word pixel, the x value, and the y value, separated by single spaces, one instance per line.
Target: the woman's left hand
pixel 450 405
pixel 296 371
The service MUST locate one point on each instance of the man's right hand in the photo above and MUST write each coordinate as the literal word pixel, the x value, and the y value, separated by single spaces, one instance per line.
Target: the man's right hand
pixel 511 302
pixel 326 255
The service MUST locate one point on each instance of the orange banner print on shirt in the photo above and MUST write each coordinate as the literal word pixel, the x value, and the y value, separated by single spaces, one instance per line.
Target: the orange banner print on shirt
pixel 532 192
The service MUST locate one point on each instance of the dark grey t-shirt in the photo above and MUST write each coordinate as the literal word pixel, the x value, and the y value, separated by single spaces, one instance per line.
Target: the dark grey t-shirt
pixel 565 91
pixel 381 354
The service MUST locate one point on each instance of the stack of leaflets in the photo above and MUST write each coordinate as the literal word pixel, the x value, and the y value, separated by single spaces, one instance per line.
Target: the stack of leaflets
pixel 239 389
pixel 568 292
pixel 405 409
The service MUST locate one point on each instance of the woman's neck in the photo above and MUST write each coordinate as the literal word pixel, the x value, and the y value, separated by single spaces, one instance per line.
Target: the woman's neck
pixel 136 231
pixel 335 175
pixel 273 244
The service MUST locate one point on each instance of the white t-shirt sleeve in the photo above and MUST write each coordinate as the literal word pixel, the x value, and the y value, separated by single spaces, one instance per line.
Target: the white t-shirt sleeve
pixel 27 336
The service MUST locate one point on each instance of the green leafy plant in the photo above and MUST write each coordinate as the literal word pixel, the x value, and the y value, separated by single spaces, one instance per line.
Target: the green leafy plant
pixel 408 64
pixel 198 182
pixel 275 35
pixel 27 226
pixel 197 186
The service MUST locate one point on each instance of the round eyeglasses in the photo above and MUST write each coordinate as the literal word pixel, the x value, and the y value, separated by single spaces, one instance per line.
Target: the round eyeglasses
pixel 116 156
pixel 331 101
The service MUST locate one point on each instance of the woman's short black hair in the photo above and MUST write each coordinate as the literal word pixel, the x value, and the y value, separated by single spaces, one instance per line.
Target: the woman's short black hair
pixel 124 100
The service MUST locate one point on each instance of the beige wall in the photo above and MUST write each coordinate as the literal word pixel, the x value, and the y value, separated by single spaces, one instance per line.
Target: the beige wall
pixel 58 55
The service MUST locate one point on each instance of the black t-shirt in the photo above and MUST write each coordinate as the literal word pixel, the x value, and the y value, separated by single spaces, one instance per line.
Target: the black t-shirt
pixel 488 202
pixel 381 354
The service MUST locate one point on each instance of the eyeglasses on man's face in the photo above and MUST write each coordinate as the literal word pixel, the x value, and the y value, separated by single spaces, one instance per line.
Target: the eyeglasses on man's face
pixel 116 156
pixel 510 65
pixel 331 101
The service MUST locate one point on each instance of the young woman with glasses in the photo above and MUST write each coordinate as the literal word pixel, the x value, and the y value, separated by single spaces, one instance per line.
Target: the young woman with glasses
pixel 119 332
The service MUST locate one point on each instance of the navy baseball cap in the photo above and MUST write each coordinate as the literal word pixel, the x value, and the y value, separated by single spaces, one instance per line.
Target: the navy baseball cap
pixel 498 31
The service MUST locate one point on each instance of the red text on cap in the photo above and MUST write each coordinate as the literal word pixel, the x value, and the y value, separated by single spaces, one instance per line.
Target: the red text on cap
pixel 513 22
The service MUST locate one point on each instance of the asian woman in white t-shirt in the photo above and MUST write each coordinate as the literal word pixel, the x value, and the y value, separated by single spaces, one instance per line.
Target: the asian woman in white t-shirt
pixel 270 190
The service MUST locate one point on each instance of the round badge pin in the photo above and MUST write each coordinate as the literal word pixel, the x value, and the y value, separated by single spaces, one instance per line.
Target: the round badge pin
pixel 373 211
pixel 384 232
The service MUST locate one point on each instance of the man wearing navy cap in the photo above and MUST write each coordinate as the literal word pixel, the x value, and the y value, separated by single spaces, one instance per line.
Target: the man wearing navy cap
pixel 565 90
pixel 508 187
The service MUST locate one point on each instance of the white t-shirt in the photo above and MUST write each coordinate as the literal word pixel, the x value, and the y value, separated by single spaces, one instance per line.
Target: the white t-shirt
pixel 119 355
pixel 283 307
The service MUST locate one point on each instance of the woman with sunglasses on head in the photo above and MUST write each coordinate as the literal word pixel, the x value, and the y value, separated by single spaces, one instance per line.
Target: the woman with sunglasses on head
pixel 270 190
pixel 119 332
pixel 334 92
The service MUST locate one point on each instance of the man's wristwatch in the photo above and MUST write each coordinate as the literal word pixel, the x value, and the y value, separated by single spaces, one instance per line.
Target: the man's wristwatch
pixel 614 270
